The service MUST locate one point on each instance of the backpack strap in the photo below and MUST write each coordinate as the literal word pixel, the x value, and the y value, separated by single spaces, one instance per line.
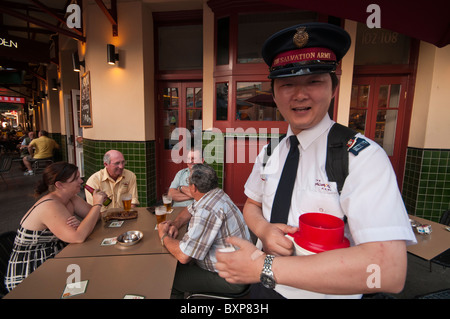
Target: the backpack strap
pixel 337 153
pixel 270 147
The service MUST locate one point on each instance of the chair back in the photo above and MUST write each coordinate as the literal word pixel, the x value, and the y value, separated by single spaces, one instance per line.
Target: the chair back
pixel 6 246
pixel 5 163
pixel 445 218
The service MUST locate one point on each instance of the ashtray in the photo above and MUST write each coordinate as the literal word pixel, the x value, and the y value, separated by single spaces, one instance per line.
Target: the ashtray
pixel 130 238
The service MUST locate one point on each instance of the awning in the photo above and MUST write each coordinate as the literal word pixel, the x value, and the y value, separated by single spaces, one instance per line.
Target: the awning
pixel 262 99
pixel 427 21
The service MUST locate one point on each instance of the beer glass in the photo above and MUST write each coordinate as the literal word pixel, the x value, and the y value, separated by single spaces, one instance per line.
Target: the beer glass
pixel 167 200
pixel 126 200
pixel 160 212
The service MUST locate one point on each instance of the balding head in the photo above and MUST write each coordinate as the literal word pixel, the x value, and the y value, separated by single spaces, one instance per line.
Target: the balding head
pixel 114 162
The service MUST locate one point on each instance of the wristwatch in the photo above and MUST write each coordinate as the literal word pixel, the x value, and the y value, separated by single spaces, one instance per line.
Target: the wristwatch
pixel 266 277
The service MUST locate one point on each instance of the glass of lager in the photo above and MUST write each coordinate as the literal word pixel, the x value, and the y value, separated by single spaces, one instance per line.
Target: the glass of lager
pixel 167 200
pixel 160 212
pixel 126 200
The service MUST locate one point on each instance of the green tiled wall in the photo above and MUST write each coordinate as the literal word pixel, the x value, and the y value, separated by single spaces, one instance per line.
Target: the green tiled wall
pixel 214 153
pixel 61 154
pixel 140 158
pixel 426 185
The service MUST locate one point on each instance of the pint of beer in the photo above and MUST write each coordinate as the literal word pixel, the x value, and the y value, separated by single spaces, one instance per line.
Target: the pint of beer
pixel 167 200
pixel 160 212
pixel 126 200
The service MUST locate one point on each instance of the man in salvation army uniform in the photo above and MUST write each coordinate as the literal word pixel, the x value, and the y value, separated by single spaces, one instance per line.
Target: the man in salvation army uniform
pixel 302 64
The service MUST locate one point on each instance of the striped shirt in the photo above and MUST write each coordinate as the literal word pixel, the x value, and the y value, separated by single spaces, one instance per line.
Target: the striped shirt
pixel 214 218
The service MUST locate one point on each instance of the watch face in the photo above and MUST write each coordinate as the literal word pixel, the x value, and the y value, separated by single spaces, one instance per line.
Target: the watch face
pixel 267 281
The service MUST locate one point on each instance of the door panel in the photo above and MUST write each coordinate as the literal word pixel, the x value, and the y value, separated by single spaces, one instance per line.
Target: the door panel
pixel 377 110
pixel 179 105
pixel 240 158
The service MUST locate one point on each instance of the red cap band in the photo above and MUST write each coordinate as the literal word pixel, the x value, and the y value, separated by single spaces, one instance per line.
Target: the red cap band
pixel 303 55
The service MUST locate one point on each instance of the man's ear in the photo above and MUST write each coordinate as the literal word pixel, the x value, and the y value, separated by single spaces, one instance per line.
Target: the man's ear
pixel 333 93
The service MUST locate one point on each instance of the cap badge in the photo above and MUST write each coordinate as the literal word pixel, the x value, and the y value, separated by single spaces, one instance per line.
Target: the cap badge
pixel 301 37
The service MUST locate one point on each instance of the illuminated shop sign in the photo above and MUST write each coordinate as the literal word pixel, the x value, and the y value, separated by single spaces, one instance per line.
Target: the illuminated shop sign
pixel 8 43
pixel 12 99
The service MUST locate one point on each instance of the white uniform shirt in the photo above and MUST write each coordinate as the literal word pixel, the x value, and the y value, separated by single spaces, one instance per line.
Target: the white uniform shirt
pixel 370 197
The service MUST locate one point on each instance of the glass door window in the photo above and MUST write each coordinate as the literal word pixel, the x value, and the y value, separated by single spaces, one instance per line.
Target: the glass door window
pixel 359 107
pixel 170 115
pixel 194 104
pixel 387 114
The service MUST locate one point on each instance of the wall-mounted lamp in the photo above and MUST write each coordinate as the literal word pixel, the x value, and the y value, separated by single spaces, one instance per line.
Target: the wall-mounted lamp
pixel 76 62
pixel 42 95
pixel 55 85
pixel 112 55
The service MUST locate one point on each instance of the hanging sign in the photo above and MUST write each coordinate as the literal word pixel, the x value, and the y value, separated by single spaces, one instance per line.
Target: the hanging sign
pixel 12 99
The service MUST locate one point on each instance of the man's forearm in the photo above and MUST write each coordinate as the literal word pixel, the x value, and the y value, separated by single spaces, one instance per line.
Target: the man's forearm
pixel 253 217
pixel 366 268
pixel 178 195
pixel 183 218
pixel 173 246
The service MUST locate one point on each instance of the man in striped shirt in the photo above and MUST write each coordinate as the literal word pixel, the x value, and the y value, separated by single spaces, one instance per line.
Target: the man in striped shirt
pixel 212 218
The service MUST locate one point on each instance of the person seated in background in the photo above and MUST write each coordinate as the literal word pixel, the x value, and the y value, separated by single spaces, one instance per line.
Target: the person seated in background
pixel 23 147
pixel 115 180
pixel 212 218
pixel 52 221
pixel 179 188
pixel 39 148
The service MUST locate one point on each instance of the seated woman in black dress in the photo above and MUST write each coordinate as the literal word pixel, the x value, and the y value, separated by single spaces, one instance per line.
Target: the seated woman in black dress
pixel 52 221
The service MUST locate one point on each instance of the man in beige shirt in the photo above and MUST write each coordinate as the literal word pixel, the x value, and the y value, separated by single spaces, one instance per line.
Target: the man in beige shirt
pixel 114 180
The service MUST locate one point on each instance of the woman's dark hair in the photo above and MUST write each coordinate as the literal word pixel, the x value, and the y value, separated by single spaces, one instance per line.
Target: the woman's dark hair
pixel 56 172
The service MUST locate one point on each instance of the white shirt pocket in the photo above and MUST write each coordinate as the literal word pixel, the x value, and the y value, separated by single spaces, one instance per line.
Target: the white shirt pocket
pixel 313 201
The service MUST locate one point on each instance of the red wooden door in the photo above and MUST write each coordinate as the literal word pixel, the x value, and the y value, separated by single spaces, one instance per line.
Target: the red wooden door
pixel 240 156
pixel 179 106
pixel 378 110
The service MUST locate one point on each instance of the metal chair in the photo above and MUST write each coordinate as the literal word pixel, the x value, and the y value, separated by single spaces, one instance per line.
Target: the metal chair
pixel 445 218
pixel 213 295
pixel 440 294
pixel 40 164
pixel 5 166
pixel 443 259
pixel 6 246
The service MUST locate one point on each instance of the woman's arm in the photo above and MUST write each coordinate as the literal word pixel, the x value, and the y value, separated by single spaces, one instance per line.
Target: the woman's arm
pixel 81 207
pixel 55 216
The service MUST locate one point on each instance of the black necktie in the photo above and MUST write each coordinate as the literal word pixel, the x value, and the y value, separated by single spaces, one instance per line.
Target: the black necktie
pixel 282 200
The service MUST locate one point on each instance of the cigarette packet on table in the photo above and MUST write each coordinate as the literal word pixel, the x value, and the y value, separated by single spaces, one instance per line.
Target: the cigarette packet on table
pixel 226 249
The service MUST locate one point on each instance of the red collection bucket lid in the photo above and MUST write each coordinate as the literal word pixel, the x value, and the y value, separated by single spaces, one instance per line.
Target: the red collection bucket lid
pixel 320 232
